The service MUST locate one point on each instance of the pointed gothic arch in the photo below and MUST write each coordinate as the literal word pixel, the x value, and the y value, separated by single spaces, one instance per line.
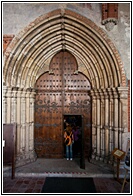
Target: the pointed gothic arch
pixel 27 56
pixel 47 35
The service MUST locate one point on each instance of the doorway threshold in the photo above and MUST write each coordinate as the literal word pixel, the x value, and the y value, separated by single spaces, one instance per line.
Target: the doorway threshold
pixel 60 168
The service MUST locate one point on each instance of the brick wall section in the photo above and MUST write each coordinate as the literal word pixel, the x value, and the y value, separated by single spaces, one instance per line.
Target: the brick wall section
pixel 6 41
pixel 109 10
pixel 128 105
pixel 104 11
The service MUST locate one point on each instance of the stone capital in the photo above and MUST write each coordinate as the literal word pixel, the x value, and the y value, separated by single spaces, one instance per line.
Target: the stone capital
pixel 15 88
pixel 92 94
pixel 101 93
pixel 9 92
pixel 114 92
pixel 4 88
pixel 106 93
pixel 29 90
pixel 32 94
pixel 19 93
pixel 123 92
pixel 14 94
pixel 96 93
pixel 23 94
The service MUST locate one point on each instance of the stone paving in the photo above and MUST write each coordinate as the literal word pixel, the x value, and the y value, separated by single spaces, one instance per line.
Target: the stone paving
pixel 62 167
pixel 34 185
pixel 31 177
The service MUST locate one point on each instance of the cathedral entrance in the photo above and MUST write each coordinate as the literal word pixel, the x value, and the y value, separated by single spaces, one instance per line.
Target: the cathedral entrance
pixel 61 90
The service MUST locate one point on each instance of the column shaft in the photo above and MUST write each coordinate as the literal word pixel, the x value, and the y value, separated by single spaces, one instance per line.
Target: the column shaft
pixel 27 120
pixel 4 105
pixel 98 127
pixel 102 131
pixel 9 94
pixel 31 144
pixel 116 115
pixel 106 125
pixel 93 125
pixel 18 120
pixel 23 114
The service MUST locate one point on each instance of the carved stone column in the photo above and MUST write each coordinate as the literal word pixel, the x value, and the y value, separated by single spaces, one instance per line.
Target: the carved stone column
pixel 106 126
pixel 116 118
pixel 111 123
pixel 31 134
pixel 18 120
pixel 102 131
pixel 27 120
pixel 23 114
pixel 4 104
pixel 123 93
pixel 98 112
pixel 25 128
pixel 9 95
pixel 14 105
pixel 93 124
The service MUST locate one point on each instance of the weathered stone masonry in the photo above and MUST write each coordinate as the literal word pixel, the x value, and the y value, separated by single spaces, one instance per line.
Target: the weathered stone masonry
pixel 26 59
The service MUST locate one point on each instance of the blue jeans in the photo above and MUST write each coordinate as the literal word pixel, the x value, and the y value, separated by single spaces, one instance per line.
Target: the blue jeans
pixel 69 152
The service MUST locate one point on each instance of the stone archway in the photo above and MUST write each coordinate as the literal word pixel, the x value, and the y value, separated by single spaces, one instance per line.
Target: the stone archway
pixel 28 56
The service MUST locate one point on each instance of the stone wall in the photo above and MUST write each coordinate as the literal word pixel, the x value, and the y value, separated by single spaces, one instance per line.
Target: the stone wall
pixel 16 16
pixel 98 58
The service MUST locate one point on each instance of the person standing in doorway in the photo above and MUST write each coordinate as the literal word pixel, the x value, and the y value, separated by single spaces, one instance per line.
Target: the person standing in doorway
pixel 68 136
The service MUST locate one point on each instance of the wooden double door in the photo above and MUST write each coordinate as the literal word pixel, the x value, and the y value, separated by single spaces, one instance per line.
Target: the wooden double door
pixel 61 91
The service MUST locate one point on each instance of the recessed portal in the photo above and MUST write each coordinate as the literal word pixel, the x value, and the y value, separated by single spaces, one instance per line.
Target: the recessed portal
pixel 61 91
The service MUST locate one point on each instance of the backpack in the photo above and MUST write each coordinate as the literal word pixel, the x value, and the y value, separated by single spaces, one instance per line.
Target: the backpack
pixel 68 139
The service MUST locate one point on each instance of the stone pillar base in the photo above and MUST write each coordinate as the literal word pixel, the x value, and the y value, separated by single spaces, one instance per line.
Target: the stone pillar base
pixel 102 159
pixel 97 158
pixel 93 156
pixel 24 158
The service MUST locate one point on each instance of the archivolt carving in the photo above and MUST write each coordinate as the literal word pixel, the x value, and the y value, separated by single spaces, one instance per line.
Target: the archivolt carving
pixel 40 41
pixel 33 46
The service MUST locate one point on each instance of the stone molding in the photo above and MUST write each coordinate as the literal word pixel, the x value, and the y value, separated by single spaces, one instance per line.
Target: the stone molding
pixel 15 110
pixel 112 125
pixel 121 92
pixel 72 42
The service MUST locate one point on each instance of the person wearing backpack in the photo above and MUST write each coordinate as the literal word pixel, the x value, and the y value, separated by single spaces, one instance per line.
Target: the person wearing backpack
pixel 68 136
